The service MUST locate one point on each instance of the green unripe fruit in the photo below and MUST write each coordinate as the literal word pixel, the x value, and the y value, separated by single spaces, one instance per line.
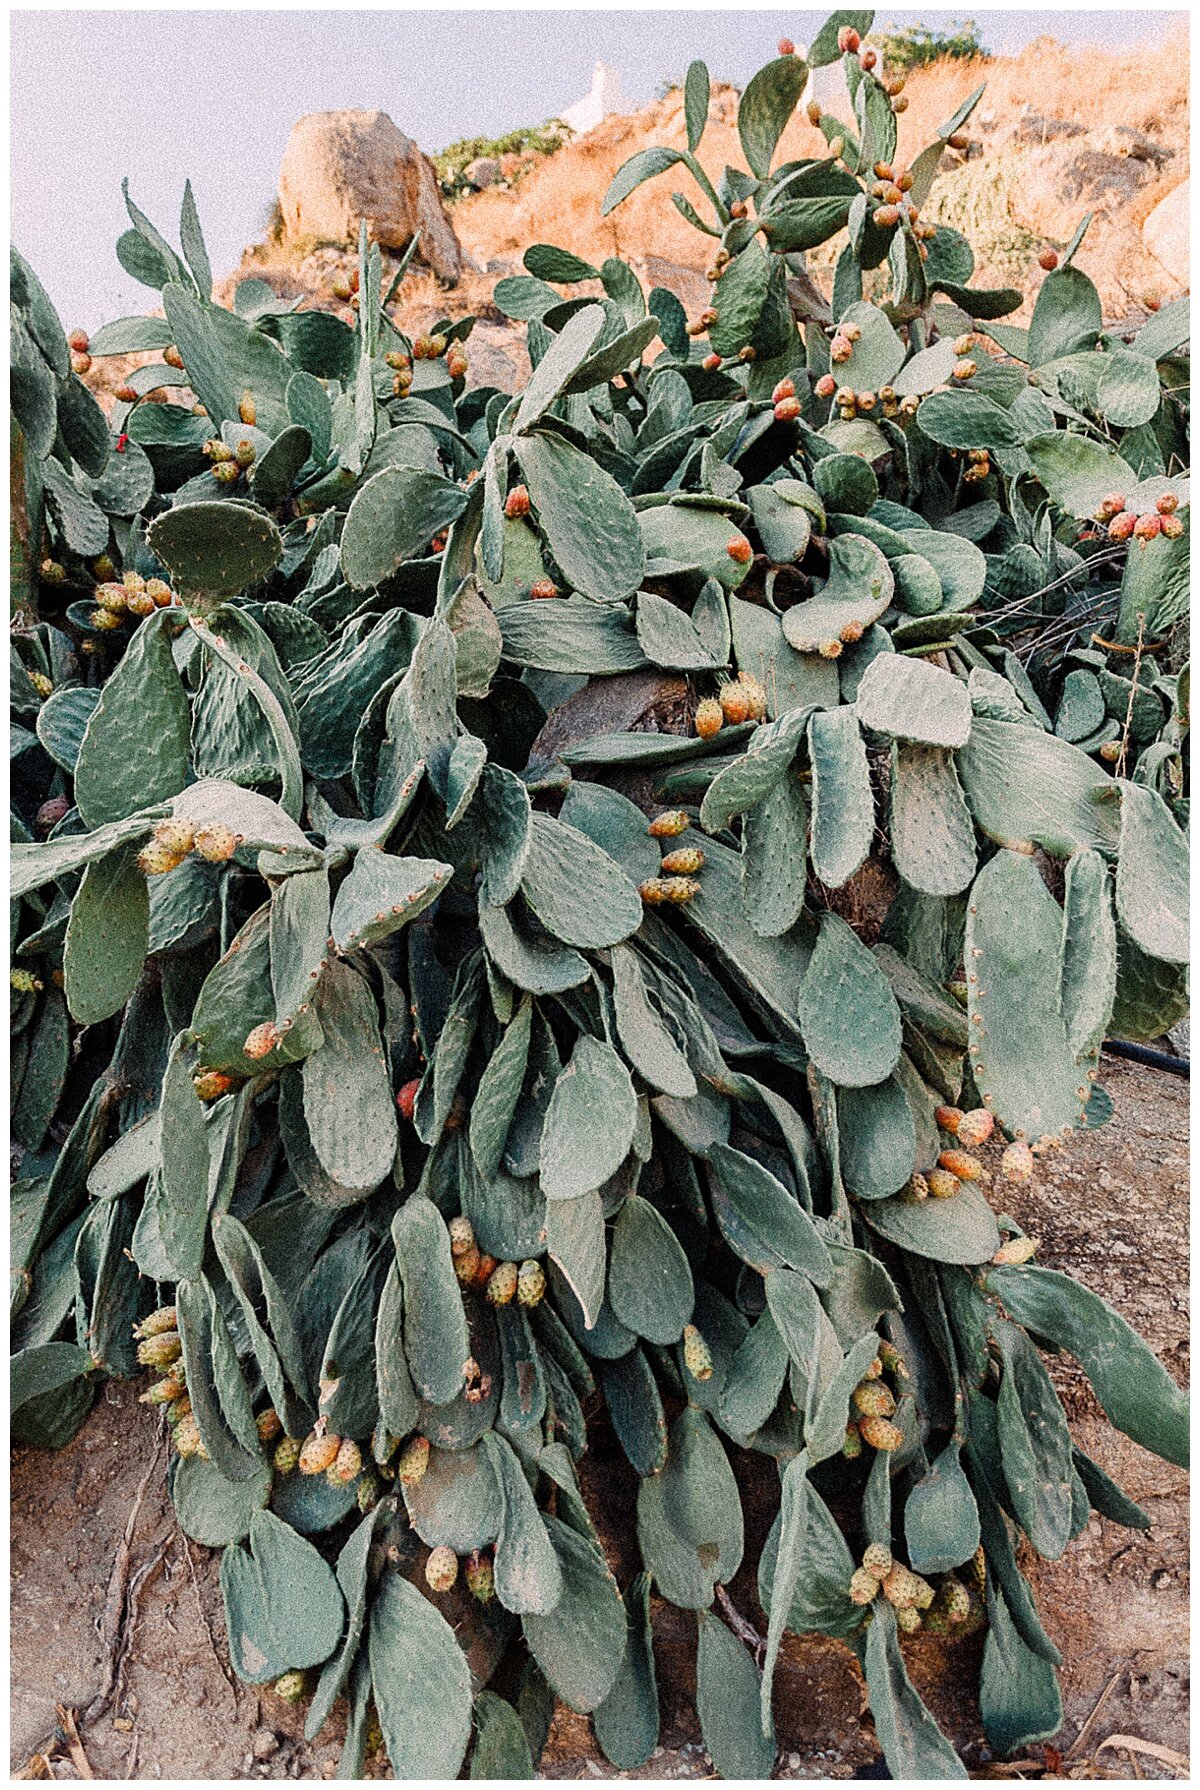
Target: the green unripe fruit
pixel 291 1688
pixel 441 1569
pixel 160 1351
pixel 852 1445
pixel 227 472
pixel 413 1462
pixel 51 572
pixel 287 1454
pixel 245 453
pixel 908 1621
pixel 873 1399
pixel 892 1360
pixel 158 1323
pixel 479 1575
pixel 163 1392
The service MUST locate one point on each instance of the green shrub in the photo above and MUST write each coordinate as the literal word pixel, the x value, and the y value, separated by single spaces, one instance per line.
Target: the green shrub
pixel 915 46
pixel 378 1058
pixel 530 140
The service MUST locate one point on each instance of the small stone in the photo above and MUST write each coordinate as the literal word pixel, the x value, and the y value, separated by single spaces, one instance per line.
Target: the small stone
pixel 265 1743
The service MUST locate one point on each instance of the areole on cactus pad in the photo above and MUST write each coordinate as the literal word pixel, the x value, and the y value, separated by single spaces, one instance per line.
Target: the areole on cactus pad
pixel 438 1016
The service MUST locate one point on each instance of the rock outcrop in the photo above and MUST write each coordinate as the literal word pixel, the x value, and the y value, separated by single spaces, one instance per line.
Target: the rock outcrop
pixel 342 166
pixel 1165 234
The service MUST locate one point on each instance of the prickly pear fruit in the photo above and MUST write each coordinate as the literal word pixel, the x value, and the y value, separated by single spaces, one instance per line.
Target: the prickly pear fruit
pixel 711 362
pixel 466 1266
pixel 948 1117
pixel 24 982
pixel 787 410
pixel 864 1587
pixel 262 1040
pixel 877 1560
pixel 958 1162
pixel 291 1687
pixel 675 890
pixel 954 1600
pixel 462 1235
pixel 155 859
pixel 848 40
pixel 1015 1253
pixel 319 1453
pixel 531 1284
pixel 735 702
pixel 406 1099
pixel 367 1495
pixel 210 1084
pixel 542 589
pixel 710 717
pixel 826 385
pixel 347 1463
pixel 670 824
pixel 1122 526
pixel 51 812
pixel 160 1350
pixel 908 1621
pixel 975 1128
pixel 429 347
pixel 179 1408
pixel 1016 1164
pixel 517 503
pixel 248 409
pixel 852 1445
pixel 187 1438
pixel 502 1286
pixel 1171 527
pixel 227 472
pixel 881 1433
pixel 410 1469
pixel 891 1360
pixel 441 1569
pixel 163 1392
pixel 906 1589
pixel 873 1399
pixel 268 1425
pixel 943 1184
pixel 814 112
pixel 915 1189
pixel 286 1457
pixel 1148 526
pixel 697 1357
pixel 1048 259
pixel 479 1576
pixel 686 861
pixel 740 551
pixel 216 844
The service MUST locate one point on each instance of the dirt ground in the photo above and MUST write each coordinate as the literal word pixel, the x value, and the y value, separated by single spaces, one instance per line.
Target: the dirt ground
pixel 1113 1210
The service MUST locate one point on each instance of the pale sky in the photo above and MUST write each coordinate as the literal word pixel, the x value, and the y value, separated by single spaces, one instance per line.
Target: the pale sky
pixel 162 95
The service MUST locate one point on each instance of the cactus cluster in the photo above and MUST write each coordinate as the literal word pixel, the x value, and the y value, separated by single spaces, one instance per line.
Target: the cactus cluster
pixel 455 1061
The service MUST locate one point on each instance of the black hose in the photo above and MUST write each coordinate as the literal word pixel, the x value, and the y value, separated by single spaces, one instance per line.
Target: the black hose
pixel 1153 1059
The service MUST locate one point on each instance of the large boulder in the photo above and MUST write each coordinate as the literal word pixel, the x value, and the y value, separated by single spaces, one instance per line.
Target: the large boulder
pixel 1165 234
pixel 339 167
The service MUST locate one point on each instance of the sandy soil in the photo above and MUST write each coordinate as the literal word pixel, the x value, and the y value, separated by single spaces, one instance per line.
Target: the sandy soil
pixel 1113 1210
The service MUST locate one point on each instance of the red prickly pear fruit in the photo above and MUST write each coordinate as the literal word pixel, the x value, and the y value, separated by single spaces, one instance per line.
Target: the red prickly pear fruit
pixel 406 1099
pixel 711 362
pixel 864 1587
pixel 210 1084
pixel 878 1560
pixel 1172 527
pixel 826 385
pixel 410 1468
pixel 1015 1252
pixel 517 503
pixel 156 860
pixel 670 824
pixel 268 1425
pixel 684 862
pixel 740 551
pixel 462 1235
pixel 51 812
pixel 1148 526
pixel 125 394
pixel 785 389
pixel 1112 506
pixel 542 589
pixel 248 409
pixel 502 1284
pixel 81 364
pixel 871 1398
pixel 958 1162
pixel 78 341
pixel 160 1351
pixel 456 363
pixel 786 47
pixel 697 1357
pixel 710 717
pixel 531 1284
pixel 735 703
pixel 1167 504
pixel 1122 526
pixel 1048 259
pixel 441 1569
pixel 975 1128
pixel 346 1465
pixel 216 844
pixel 848 40
pixel 942 1184
pixel 291 1687
pixel 1016 1164
pixel 261 1041
pixel 479 1576
pixel 486 1266
pixel 880 1433
pixel 173 358
pixel 948 1117
pixel 319 1453
pixel 867 60
pixel 814 112
pixel 787 410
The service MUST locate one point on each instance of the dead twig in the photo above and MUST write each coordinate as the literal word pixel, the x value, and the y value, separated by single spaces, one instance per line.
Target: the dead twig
pixel 1132 1743
pixel 113 1621
pixel 1085 1732
pixel 79 1758
pixel 742 1628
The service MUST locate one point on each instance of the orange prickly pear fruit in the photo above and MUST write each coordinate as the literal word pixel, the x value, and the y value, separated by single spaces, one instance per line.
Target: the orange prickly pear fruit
pixel 1147 527
pixel 176 835
pixel 517 502
pixel 268 1425
pixel 975 1128
pixel 542 589
pixel 871 1398
pixel 740 551
pixel 787 410
pixel 319 1453
pixel 172 357
pixel 967 1168
pixel 880 1433
pixel 1122 526
pixel 156 860
pixel 210 1084
pixel 406 1099
pixel 684 862
pixel 669 824
pixel 785 389
pixel 216 844
pixel 466 1266
pixel 848 40
pixel 735 703
pixel 1171 527
pixel 948 1117
pixel 710 717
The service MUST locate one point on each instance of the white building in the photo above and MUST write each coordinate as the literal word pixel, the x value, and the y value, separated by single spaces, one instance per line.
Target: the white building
pixel 600 103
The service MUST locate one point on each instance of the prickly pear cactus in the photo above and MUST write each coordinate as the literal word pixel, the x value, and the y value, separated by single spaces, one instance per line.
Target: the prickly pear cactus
pixel 409 1061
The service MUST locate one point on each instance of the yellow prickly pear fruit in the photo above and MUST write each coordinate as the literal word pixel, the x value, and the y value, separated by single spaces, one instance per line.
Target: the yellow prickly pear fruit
pixel 878 1560
pixel 164 1391
pixel 697 1357
pixel 908 1621
pixel 156 860
pixel 902 1587
pixel 177 835
pixel 291 1688
pixel 949 1118
pixel 286 1457
pixel 319 1453
pixel 686 861
pixel 756 694
pixel 864 1587
pixel 531 1284
pixel 268 1425
pixel 479 1576
pixel 1015 1252
pixel 502 1285
pixel 158 1323
pixel 261 1041
pixel 958 1162
pixel 670 824
pixel 1016 1164
pixel 248 409
pixel 441 1569
pixel 915 1189
pixel 161 1350
pixel 216 844
pixel 41 683
pixel 942 1184
pixel 23 982
pixel 710 718
pixel 462 1235
pixel 880 1433
pixel 187 1438
pixel 975 1128
pixel 679 890
pixel 873 1399
pixel 210 1084
pixel 979 1570
pixel 410 1469
pixel 347 1463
